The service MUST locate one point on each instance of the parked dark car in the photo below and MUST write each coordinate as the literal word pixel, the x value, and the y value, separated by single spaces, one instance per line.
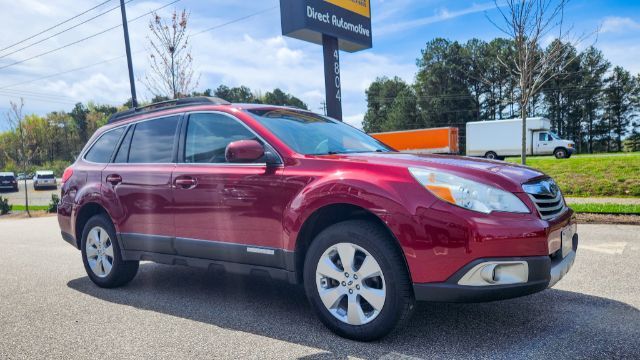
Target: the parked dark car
pixel 310 200
pixel 8 181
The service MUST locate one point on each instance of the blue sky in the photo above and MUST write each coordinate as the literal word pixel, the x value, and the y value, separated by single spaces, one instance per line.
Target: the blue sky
pixel 253 52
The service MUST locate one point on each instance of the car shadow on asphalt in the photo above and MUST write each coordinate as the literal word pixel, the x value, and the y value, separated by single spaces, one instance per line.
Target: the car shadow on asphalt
pixel 548 324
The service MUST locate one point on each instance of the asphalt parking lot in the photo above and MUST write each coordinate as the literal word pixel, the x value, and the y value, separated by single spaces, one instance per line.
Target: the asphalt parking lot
pixel 36 197
pixel 50 309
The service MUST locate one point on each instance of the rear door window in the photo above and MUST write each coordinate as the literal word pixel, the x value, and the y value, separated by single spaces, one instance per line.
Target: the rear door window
pixel 153 141
pixel 102 149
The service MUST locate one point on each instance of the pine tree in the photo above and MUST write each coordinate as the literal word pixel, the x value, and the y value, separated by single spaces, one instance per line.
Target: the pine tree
pixel 593 68
pixel 619 96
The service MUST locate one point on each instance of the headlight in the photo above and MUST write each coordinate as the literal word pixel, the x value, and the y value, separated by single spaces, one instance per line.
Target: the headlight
pixel 468 194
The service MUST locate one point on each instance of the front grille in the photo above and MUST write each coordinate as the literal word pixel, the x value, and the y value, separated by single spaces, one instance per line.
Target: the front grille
pixel 547 198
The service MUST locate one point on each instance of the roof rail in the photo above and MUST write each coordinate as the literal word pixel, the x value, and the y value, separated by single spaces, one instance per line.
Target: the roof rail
pixel 164 105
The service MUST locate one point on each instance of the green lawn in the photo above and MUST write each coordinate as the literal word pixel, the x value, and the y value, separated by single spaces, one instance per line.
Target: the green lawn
pixel 616 175
pixel 606 208
pixel 31 207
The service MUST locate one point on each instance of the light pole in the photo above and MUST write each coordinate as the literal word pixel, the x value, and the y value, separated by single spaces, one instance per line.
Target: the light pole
pixel 125 27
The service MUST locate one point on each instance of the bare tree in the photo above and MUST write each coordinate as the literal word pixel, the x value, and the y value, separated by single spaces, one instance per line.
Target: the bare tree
pixel 15 119
pixel 171 75
pixel 528 23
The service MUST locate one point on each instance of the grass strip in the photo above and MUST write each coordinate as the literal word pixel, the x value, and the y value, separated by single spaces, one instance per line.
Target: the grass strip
pixel 606 208
pixel 602 175
pixel 31 207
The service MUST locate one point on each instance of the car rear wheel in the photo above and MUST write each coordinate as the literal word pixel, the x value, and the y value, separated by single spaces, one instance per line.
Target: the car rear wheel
pixel 491 155
pixel 101 254
pixel 356 280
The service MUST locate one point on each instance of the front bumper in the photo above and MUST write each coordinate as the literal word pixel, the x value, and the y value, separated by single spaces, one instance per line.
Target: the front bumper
pixel 543 272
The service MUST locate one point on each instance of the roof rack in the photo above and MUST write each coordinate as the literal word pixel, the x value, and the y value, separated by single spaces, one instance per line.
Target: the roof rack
pixel 164 105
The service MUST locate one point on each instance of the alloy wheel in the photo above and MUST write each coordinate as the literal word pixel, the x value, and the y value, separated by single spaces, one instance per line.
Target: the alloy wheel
pixel 350 283
pixel 99 249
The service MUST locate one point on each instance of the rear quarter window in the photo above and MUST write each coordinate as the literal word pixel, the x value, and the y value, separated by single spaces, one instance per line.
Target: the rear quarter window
pixel 103 148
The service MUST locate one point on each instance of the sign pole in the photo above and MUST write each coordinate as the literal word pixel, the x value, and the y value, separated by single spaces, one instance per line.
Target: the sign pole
pixel 125 27
pixel 332 83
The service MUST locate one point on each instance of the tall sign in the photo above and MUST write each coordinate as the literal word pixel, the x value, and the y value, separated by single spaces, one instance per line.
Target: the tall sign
pixel 336 25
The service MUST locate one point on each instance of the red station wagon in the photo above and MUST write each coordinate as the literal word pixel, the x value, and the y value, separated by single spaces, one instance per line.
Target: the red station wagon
pixel 260 189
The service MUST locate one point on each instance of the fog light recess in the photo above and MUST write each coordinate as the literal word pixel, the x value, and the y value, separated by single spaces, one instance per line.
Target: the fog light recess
pixel 496 273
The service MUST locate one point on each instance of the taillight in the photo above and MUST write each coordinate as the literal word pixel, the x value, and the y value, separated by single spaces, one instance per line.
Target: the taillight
pixel 67 174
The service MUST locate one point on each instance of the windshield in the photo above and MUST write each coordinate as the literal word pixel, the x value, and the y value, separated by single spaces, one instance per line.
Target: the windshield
pixel 554 135
pixel 312 134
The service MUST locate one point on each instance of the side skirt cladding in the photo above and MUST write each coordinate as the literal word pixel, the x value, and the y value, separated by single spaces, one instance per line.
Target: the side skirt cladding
pixel 206 254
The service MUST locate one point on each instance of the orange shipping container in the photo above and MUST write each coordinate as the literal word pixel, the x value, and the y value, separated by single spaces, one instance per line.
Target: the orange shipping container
pixel 422 141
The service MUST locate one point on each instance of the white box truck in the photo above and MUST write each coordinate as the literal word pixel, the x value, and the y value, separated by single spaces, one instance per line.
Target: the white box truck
pixel 499 138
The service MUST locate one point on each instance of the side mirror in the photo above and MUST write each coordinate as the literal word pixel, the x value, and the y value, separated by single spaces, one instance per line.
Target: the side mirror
pixel 244 151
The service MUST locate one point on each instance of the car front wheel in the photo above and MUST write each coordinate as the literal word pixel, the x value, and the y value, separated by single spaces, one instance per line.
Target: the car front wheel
pixel 356 280
pixel 101 254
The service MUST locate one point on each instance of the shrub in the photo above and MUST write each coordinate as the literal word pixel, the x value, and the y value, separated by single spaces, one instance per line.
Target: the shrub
pixel 4 206
pixel 53 204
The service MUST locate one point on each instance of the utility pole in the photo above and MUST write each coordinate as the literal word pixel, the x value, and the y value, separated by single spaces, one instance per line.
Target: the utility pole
pixel 323 108
pixel 125 27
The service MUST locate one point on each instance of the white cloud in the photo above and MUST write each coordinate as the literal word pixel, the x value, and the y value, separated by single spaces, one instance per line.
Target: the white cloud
pixel 623 53
pixel 355 120
pixel 618 40
pixel 617 24
pixel 442 15
pixel 251 53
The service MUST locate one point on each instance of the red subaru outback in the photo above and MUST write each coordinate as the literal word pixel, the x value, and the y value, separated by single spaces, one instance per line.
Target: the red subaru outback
pixel 303 198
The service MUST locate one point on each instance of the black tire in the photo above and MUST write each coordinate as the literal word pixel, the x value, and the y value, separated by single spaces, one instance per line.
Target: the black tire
pixel 399 301
pixel 491 155
pixel 561 153
pixel 121 272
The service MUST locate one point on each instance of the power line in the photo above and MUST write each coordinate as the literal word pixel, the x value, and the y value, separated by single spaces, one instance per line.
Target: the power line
pixel 35 98
pixel 61 32
pixel 85 38
pixel 31 93
pixel 62 72
pixel 234 21
pixel 136 52
pixel 54 26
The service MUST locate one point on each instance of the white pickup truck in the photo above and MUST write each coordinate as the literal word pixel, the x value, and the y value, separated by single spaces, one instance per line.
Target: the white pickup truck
pixel 499 138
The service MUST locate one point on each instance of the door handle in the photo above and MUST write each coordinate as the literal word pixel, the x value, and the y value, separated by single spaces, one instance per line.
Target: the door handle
pixel 114 179
pixel 185 182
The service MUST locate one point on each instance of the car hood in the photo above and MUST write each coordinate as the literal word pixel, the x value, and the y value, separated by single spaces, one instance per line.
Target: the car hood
pixel 501 174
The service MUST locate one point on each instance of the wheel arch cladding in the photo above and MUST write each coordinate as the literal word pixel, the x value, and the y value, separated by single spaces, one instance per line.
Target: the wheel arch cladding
pixel 329 215
pixel 85 213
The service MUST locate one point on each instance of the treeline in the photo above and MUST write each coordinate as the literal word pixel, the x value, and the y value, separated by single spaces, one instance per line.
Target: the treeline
pixel 54 140
pixel 589 101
